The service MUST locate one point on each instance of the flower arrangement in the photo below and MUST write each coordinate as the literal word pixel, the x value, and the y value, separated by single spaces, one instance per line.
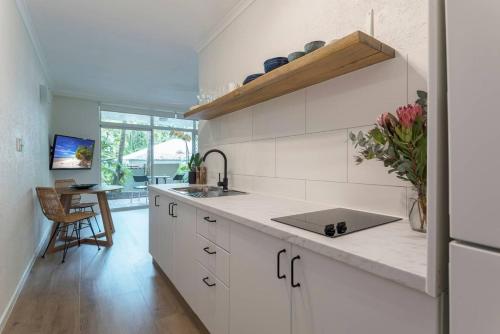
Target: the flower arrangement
pixel 400 142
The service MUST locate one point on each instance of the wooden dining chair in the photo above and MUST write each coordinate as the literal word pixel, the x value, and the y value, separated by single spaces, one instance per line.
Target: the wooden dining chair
pixel 76 200
pixel 52 209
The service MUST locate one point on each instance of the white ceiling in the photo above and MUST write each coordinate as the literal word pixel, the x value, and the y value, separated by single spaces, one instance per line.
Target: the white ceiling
pixel 126 51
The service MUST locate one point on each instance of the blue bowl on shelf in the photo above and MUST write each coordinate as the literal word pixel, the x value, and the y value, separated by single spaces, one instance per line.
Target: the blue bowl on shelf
pixel 313 46
pixel 295 55
pixel 252 77
pixel 274 63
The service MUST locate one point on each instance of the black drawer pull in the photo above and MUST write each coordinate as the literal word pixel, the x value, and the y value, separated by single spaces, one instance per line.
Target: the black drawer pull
pixel 278 264
pixel 208 284
pixel 207 250
pixel 173 214
pixel 294 285
pixel 170 208
pixel 156 203
pixel 207 218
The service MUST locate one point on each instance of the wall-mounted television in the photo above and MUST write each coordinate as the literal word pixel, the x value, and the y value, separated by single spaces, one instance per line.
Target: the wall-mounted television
pixel 71 153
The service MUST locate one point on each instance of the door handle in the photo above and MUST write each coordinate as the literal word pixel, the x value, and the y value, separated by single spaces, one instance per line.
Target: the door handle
pixel 170 208
pixel 207 219
pixel 205 280
pixel 294 285
pixel 207 250
pixel 156 203
pixel 283 251
pixel 173 214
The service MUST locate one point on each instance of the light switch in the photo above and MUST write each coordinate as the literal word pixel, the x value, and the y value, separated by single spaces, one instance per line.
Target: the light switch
pixel 19 144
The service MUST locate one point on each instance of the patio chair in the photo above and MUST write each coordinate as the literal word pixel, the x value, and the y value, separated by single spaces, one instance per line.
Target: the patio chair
pixel 141 188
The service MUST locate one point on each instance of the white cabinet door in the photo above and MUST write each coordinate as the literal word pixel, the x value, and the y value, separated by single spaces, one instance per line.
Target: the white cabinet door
pixel 473 55
pixel 185 250
pixel 166 236
pixel 336 298
pixel 154 227
pixel 259 300
pixel 161 232
pixel 212 301
pixel 474 290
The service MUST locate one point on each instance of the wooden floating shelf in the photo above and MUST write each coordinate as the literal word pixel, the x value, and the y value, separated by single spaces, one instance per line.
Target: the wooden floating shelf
pixel 348 54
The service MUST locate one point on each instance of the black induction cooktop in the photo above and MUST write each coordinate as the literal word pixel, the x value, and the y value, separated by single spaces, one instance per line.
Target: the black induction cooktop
pixel 336 222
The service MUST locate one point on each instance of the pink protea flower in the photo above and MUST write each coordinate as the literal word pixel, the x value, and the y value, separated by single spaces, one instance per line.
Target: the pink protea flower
pixel 382 119
pixel 408 114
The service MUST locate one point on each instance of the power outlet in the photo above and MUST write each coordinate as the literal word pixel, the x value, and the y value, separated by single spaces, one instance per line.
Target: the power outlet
pixel 19 144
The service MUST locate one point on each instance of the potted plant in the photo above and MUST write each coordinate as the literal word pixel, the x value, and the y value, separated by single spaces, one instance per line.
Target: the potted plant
pixel 194 162
pixel 400 142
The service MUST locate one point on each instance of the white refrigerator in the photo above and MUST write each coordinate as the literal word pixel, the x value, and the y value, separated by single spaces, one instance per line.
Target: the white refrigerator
pixel 473 65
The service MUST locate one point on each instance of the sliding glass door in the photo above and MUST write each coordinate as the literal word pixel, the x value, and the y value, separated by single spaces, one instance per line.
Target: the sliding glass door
pixel 137 150
pixel 126 161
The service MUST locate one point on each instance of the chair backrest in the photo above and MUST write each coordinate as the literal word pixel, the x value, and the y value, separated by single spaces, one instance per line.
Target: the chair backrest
pixel 66 183
pixel 50 203
pixel 178 177
pixel 141 178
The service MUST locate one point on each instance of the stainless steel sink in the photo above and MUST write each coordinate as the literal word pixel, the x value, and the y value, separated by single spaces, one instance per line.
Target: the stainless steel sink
pixel 206 191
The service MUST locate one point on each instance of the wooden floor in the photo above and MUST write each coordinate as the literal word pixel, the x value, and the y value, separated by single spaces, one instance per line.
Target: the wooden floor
pixel 115 290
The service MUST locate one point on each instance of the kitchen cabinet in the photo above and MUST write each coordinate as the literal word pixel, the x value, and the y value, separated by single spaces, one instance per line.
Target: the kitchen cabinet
pixel 336 298
pixel 212 301
pixel 172 241
pixel 260 301
pixel 184 241
pixel 243 281
pixel 161 232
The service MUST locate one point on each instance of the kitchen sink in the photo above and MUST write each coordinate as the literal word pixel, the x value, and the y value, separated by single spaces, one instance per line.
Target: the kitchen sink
pixel 206 191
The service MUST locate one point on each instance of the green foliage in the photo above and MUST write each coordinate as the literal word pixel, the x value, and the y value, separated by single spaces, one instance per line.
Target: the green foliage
pixel 194 161
pixel 403 149
pixel 113 172
pixel 83 153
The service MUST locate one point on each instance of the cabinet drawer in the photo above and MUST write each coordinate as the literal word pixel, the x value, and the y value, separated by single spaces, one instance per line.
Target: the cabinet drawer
pixel 214 228
pixel 212 302
pixel 214 258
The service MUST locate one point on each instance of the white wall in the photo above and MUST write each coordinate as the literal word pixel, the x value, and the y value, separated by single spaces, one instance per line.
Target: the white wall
pixel 78 118
pixel 297 145
pixel 22 115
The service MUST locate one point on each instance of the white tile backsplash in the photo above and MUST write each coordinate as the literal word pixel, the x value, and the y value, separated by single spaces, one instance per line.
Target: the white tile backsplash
pixel 290 188
pixel 282 116
pixel 318 156
pixel 235 127
pixel 357 98
pixel 382 199
pixel 263 157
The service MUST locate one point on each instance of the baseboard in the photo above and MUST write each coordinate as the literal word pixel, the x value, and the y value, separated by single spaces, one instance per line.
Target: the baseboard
pixel 10 306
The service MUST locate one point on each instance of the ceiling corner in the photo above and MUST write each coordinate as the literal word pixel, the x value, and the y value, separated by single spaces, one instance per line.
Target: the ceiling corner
pixel 224 23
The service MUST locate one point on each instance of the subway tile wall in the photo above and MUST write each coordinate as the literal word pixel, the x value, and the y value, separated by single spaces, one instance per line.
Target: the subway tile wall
pixel 298 145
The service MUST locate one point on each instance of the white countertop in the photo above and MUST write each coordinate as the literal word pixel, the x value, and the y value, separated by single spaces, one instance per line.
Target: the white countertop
pixel 392 251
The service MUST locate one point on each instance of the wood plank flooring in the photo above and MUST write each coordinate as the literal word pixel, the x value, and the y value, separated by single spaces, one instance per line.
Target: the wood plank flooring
pixel 116 290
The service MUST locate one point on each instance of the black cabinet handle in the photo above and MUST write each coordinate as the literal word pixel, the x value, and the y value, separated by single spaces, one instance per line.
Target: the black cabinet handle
pixel 294 285
pixel 173 214
pixel 156 203
pixel 207 250
pixel 205 281
pixel 207 218
pixel 278 264
pixel 170 208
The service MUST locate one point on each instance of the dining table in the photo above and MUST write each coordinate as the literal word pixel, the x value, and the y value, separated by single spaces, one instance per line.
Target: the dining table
pixel 104 238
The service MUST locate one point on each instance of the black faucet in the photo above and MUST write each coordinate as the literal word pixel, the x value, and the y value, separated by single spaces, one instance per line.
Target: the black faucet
pixel 225 182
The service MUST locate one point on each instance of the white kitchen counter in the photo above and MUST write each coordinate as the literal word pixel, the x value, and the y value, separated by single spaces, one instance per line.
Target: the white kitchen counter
pixel 392 251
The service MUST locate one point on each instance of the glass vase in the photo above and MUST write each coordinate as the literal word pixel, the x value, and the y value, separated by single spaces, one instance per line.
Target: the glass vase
pixel 418 214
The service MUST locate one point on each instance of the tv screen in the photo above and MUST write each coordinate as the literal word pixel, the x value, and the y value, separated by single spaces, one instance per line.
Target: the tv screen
pixel 72 153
